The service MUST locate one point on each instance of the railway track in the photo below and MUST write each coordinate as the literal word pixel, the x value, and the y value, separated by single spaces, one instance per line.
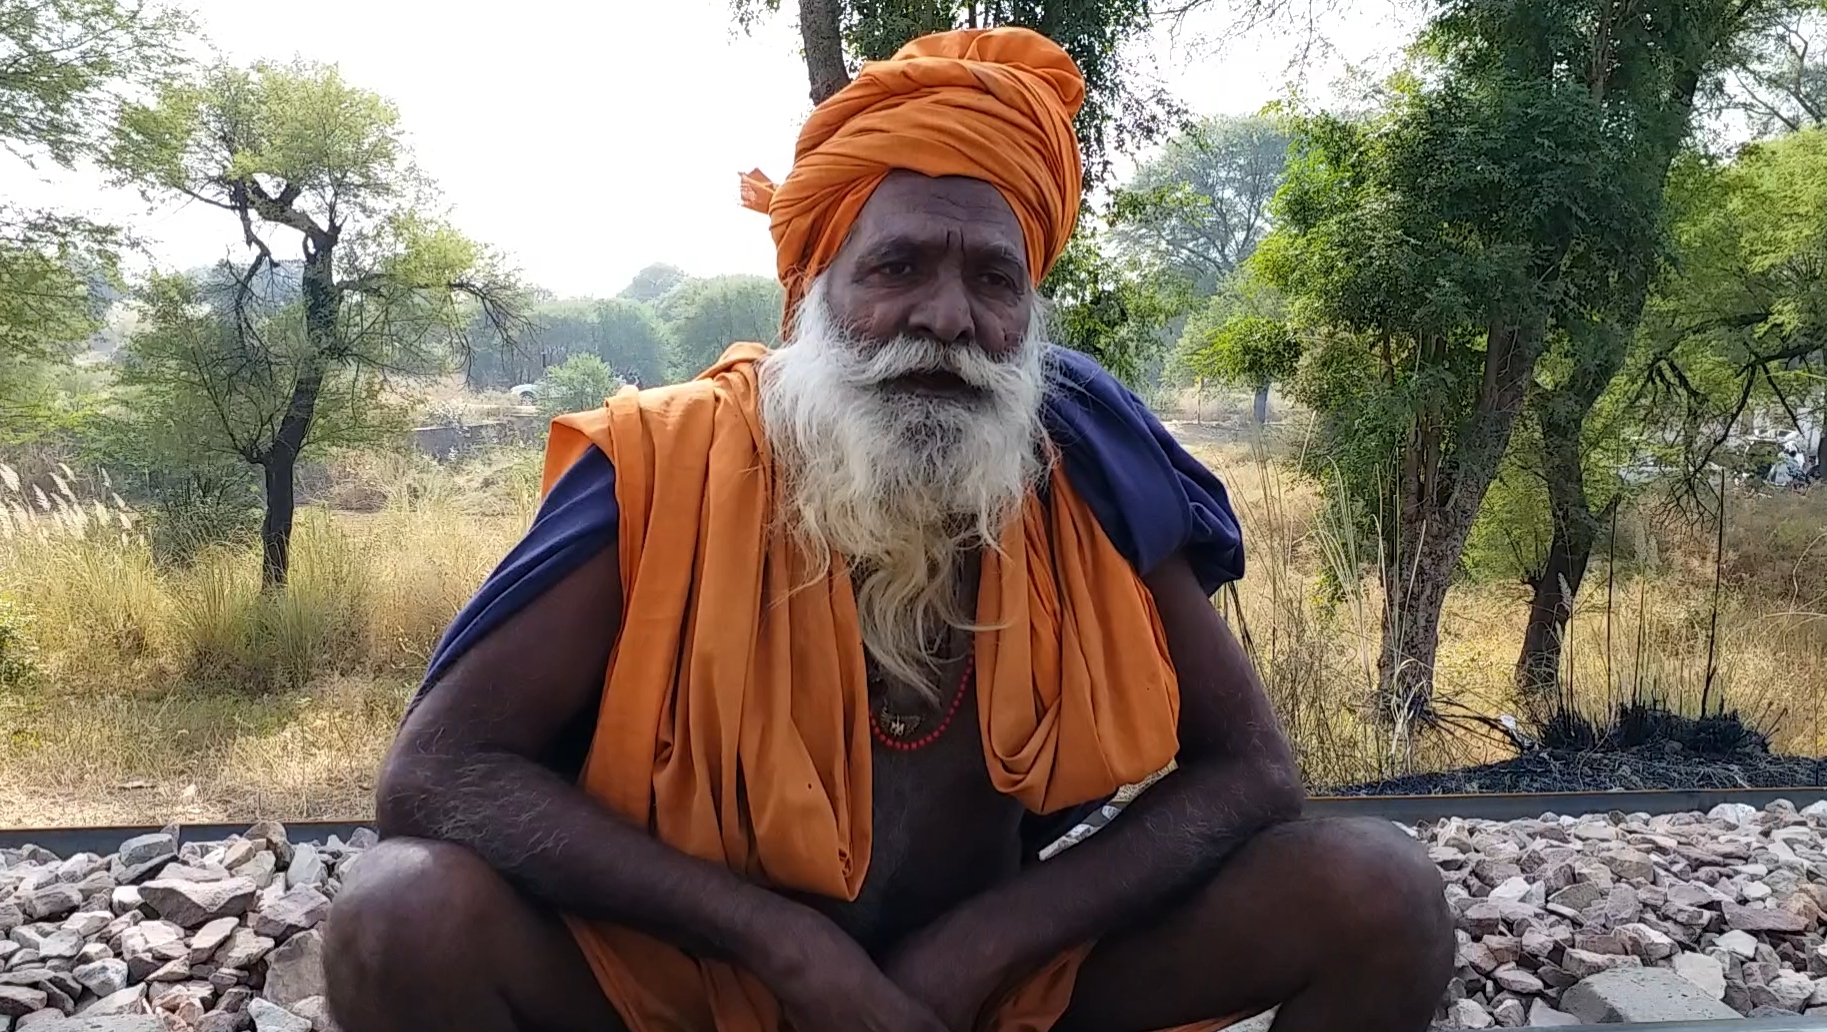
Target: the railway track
pixel 1404 809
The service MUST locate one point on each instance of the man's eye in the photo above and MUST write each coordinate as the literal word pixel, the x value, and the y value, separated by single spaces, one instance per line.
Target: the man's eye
pixel 894 270
pixel 998 280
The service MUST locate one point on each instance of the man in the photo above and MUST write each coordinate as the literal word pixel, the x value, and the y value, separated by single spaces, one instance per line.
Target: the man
pixel 804 663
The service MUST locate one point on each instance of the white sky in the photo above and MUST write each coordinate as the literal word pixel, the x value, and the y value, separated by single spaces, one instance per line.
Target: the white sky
pixel 587 140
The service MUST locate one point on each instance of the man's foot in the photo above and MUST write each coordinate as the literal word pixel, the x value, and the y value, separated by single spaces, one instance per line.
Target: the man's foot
pixel 424 935
pixel 1342 923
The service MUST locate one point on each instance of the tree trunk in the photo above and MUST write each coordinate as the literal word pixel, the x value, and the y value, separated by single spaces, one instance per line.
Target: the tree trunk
pixel 1414 591
pixel 1438 494
pixel 1260 414
pixel 276 526
pixel 822 35
pixel 1551 606
pixel 1562 413
pixel 280 462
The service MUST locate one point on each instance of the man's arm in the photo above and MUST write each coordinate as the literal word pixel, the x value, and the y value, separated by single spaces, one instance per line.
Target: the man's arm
pixel 465 769
pixel 1236 776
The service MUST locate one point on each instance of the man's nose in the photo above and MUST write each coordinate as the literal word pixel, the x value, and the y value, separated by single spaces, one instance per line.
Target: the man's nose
pixel 943 313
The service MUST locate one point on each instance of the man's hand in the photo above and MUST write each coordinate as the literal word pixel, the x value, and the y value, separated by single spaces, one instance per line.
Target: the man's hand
pixel 825 982
pixel 947 972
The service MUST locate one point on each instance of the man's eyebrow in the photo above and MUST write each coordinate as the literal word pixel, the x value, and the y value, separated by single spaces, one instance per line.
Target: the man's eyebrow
pixel 888 248
pixel 1001 252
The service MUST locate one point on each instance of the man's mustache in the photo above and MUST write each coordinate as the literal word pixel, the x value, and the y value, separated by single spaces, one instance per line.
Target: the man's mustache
pixel 872 365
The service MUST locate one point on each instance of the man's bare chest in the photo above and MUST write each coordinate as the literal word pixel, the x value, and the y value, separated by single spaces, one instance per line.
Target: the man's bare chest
pixel 941 834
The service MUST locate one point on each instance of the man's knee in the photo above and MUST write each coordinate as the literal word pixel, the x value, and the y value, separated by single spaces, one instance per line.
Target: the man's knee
pixel 1378 883
pixel 402 903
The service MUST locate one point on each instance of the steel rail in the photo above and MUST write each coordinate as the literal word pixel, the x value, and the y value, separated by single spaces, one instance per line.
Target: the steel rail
pixel 1406 809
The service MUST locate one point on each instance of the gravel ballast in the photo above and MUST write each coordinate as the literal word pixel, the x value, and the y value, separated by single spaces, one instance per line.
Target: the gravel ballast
pixel 1560 920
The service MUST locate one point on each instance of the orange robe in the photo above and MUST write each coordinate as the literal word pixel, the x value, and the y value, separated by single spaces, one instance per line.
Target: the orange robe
pixel 725 675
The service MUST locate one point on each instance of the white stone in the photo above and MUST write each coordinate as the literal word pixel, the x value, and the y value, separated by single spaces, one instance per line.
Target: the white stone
pixel 1516 979
pixel 1704 972
pixel 1512 890
pixel 1462 1014
pixel 1818 998
pixel 307 866
pixel 270 1017
pixel 1641 994
pixel 103 978
pixel 147 848
pixel 1584 963
pixel 298 910
pixel 316 1010
pixel 1543 1016
pixel 1791 989
pixel 243 949
pixel 88 923
pixel 127 1001
pixel 16 1001
pixel 295 970
pixel 1742 944
pixel 193 903
pixel 1732 813
pixel 1640 940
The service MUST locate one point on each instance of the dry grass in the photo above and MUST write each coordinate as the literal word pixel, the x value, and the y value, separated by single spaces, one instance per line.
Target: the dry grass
pixel 142 693
pixel 1647 626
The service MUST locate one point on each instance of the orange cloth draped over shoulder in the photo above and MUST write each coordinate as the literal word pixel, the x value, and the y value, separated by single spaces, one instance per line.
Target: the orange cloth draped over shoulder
pixel 734 716
pixel 990 104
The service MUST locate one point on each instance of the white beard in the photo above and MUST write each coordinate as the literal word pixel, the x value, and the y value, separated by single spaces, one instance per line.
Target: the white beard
pixel 903 486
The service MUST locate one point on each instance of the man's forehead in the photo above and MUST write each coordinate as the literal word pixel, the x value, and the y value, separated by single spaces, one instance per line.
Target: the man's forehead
pixel 907 202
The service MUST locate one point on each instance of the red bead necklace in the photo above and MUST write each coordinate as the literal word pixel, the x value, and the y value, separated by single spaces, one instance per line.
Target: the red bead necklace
pixel 891 742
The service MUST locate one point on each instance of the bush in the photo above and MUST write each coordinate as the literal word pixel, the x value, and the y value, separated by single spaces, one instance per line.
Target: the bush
pixel 18 660
pixel 1637 723
pixel 201 512
pixel 580 383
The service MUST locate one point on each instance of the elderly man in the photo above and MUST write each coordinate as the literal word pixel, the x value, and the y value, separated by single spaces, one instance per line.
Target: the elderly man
pixel 771 718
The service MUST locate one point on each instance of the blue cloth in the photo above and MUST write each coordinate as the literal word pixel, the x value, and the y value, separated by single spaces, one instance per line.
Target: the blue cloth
pixel 577 520
pixel 1150 496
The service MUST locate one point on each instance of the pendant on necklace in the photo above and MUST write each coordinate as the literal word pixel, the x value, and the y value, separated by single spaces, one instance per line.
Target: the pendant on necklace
pixel 897 725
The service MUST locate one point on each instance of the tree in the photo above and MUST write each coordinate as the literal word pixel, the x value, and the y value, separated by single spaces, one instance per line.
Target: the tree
pixel 579 383
pixel 1782 78
pixel 1241 337
pixel 1125 108
pixel 65 66
pixel 704 317
pixel 1661 61
pixel 1511 191
pixel 46 307
pixel 653 283
pixel 208 378
pixel 1111 309
pixel 293 153
pixel 556 330
pixel 1739 318
pixel 631 338
pixel 1201 207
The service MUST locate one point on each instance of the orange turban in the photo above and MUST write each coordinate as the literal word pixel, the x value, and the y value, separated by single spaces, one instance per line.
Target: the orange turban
pixel 990 104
